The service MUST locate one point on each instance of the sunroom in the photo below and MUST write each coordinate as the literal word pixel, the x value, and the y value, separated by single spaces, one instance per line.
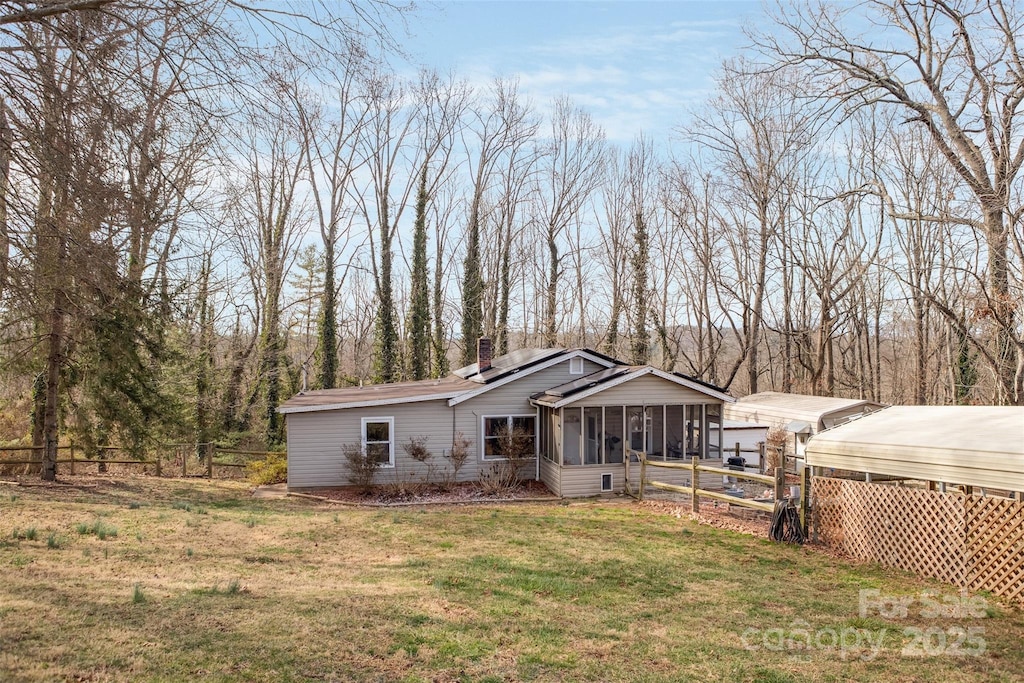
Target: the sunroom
pixel 587 427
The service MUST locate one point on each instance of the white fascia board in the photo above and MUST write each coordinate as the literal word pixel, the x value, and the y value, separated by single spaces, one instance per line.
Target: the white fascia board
pixel 367 404
pixel 693 385
pixel 572 398
pixel 551 362
pixel 640 373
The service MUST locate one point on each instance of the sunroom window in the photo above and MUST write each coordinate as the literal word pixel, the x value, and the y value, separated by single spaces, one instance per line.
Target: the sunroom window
pixel 500 431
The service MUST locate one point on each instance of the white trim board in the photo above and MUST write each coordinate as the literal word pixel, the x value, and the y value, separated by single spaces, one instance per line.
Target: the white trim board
pixel 642 372
pixel 516 374
pixel 369 403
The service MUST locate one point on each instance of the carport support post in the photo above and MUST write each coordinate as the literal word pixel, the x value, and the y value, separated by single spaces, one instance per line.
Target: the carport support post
pixel 694 483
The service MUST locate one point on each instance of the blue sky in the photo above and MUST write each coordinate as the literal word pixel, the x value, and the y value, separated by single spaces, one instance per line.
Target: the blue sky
pixel 634 65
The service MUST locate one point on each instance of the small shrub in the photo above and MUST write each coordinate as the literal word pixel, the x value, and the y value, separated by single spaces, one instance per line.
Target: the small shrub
pixel 272 469
pixel 188 552
pixel 104 530
pixel 28 534
pixel 459 454
pixel 99 528
pixel 361 468
pixel 416 448
pixel 234 587
pixel 52 542
pixel 134 505
pixel 137 595
pixel 775 448
pixel 251 522
pixel 504 476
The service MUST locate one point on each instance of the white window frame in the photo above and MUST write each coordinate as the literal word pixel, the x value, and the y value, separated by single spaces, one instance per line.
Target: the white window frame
pixel 576 366
pixel 508 418
pixel 611 482
pixel 391 438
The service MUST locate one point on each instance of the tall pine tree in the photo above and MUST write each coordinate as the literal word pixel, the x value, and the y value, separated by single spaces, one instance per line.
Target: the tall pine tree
pixel 472 291
pixel 419 306
pixel 385 349
pixel 640 341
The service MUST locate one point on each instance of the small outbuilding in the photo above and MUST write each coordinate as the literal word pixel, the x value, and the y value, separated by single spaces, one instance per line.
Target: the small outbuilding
pixel 801 415
pixel 980 446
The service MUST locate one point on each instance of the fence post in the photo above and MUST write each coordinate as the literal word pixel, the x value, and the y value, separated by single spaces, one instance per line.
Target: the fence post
pixel 627 484
pixel 643 474
pixel 184 462
pixel 805 498
pixel 208 447
pixel 71 465
pixel 780 483
pixel 694 483
pixel 159 457
pixel 761 454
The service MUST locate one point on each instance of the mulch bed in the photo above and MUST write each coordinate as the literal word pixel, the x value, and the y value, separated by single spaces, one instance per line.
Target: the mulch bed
pixel 463 492
pixel 719 515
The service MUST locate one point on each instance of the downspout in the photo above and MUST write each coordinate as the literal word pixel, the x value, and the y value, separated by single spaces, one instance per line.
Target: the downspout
pixel 536 441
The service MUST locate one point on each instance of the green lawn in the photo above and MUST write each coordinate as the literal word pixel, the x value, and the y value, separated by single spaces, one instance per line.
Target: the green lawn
pixel 194 580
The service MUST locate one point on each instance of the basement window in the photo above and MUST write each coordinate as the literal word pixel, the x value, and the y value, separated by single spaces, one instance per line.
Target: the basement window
pixel 606 482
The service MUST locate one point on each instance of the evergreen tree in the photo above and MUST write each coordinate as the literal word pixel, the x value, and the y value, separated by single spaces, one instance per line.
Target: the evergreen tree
pixel 386 366
pixel 327 342
pixel 419 313
pixel 204 363
pixel 440 342
pixel 640 342
pixel 472 292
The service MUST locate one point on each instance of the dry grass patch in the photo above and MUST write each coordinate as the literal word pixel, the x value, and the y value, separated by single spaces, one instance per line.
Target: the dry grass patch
pixel 203 582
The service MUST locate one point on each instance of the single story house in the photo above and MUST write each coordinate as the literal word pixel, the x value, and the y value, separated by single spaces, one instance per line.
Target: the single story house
pixel 801 415
pixel 979 446
pixel 580 409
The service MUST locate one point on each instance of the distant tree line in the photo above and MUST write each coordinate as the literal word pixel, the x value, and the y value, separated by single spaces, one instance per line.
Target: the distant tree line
pixel 199 219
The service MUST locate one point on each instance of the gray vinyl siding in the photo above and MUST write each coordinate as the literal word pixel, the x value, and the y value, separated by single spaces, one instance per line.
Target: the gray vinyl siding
pixel 315 440
pixel 585 480
pixel 550 474
pixel 646 390
pixel 510 399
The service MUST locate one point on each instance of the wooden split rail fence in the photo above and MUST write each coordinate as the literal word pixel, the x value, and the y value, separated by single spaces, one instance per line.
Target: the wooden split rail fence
pixel 183 454
pixel 776 480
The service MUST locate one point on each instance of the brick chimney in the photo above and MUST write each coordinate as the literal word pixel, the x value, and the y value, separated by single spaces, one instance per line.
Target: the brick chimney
pixel 484 353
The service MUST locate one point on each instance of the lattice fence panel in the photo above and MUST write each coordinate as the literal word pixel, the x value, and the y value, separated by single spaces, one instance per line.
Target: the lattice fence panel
pixel 995 546
pixel 913 529
pixel 827 507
